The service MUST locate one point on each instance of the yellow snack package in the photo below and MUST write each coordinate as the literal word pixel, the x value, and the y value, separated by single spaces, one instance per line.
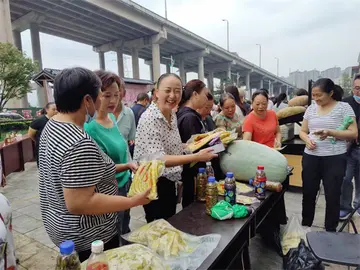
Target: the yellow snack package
pixel 145 177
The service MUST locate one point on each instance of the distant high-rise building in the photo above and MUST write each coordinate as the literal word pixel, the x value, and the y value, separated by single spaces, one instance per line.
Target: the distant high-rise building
pixel 331 73
pixel 300 78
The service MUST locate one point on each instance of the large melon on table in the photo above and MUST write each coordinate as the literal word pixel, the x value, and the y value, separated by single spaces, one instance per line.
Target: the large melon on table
pixel 242 158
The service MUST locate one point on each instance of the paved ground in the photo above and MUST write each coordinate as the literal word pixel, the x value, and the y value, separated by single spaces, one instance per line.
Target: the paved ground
pixel 35 250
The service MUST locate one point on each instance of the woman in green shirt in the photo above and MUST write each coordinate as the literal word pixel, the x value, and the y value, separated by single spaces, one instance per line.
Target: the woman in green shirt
pixel 104 131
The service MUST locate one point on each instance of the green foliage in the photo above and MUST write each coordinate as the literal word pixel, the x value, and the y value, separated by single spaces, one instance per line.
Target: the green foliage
pixel 8 126
pixel 347 84
pixel 223 83
pixel 16 70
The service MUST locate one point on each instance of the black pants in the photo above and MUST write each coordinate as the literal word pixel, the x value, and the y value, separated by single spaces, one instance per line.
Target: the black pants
pixel 113 243
pixel 331 170
pixel 165 206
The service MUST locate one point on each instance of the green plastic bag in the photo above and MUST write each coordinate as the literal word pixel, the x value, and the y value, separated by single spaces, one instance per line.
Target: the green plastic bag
pixel 240 211
pixel 224 210
pixel 344 126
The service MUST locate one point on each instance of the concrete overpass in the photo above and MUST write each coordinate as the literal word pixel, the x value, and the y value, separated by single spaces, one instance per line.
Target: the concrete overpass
pixel 125 27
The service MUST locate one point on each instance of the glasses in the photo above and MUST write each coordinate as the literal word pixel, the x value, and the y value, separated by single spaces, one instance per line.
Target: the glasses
pixel 357 88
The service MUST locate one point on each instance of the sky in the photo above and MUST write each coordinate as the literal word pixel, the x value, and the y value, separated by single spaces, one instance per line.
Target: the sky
pixel 304 35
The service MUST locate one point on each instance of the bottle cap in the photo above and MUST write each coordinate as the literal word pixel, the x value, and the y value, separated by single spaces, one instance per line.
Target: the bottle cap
pixel 260 167
pixel 97 246
pixel 208 163
pixel 211 179
pixel 229 175
pixel 201 170
pixel 67 247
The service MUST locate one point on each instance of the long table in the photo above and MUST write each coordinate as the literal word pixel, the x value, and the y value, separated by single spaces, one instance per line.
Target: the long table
pixel 14 155
pixel 232 251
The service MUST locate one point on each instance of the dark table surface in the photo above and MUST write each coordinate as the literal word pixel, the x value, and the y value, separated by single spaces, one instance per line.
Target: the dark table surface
pixel 194 220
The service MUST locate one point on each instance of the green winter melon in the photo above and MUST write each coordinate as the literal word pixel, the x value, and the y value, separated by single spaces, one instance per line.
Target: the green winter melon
pixel 242 158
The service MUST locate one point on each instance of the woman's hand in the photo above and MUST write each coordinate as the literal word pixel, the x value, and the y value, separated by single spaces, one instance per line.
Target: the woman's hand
pixel 277 144
pixel 310 144
pixel 141 198
pixel 323 134
pixel 133 166
pixel 205 155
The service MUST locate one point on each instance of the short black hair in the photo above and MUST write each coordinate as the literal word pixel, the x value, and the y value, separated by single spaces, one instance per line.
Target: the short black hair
pixel 301 92
pixel 261 92
pixel 71 85
pixel 327 85
pixel 142 97
pixel 357 77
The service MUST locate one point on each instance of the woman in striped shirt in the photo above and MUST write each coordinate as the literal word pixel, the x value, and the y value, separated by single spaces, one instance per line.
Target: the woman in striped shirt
pixel 323 159
pixel 77 185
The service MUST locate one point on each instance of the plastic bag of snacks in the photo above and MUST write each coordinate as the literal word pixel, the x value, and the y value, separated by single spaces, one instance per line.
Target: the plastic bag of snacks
pixel 150 169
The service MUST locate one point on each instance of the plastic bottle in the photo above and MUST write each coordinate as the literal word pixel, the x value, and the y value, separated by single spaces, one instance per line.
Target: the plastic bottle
pixel 211 194
pixel 272 186
pixel 209 170
pixel 97 259
pixel 201 181
pixel 68 258
pixel 230 188
pixel 260 183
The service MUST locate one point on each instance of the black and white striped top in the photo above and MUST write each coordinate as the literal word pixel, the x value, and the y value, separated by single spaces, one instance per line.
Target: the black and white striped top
pixel 69 158
pixel 332 120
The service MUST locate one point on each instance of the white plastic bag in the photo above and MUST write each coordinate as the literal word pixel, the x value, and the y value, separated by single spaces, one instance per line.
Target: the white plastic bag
pixel 292 233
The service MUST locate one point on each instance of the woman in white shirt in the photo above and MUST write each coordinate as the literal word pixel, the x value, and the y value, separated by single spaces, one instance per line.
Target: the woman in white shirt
pixel 280 104
pixel 323 159
pixel 157 132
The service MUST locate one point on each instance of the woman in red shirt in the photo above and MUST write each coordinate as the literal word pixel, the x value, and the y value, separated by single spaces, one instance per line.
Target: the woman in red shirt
pixel 262 125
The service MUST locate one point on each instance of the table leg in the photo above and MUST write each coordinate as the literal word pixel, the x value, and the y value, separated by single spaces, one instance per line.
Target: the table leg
pixel 246 265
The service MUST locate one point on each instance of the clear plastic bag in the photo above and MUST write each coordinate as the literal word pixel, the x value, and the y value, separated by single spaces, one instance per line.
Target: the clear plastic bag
pixel 150 169
pixel 180 250
pixel 292 233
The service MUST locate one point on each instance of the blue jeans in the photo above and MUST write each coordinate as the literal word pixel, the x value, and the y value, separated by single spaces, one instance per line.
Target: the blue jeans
pixel 123 216
pixel 352 171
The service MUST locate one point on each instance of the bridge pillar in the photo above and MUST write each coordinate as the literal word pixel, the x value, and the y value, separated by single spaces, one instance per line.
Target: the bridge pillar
pixel 101 60
pixel 201 72
pixel 287 91
pixel 261 83
pixel 151 72
pixel 156 60
pixel 5 22
pixel 228 73
pixel 17 39
pixel 247 80
pixel 120 61
pixel 182 71
pixel 210 80
pixel 135 63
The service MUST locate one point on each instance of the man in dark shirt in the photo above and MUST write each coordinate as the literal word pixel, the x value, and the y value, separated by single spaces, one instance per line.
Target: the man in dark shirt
pixel 353 160
pixel 38 125
pixel 142 101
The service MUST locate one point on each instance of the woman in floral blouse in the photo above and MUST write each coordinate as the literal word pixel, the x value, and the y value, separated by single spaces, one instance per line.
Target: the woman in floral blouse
pixel 228 119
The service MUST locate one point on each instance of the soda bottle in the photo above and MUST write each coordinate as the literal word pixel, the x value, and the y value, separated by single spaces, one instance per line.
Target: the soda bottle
pixel 211 194
pixel 260 183
pixel 209 170
pixel 230 188
pixel 68 258
pixel 97 259
pixel 201 181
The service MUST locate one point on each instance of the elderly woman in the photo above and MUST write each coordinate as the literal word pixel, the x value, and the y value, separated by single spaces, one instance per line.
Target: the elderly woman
pixel 77 185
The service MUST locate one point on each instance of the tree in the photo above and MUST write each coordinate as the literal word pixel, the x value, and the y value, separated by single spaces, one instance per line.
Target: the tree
pixel 16 70
pixel 346 84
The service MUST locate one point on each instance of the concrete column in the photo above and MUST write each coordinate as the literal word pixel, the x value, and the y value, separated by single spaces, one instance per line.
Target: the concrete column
pixel 120 61
pixel 156 60
pixel 168 68
pixel 101 60
pixel 5 22
pixel 287 91
pixel 228 73
pixel 135 63
pixel 201 74
pixel 17 39
pixel 35 44
pixel 182 70
pixel 247 79
pixel 211 81
pixel 261 83
pixel 271 90
pixel 151 72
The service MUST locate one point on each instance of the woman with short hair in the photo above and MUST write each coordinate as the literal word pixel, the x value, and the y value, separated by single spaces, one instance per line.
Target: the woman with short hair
pixel 77 185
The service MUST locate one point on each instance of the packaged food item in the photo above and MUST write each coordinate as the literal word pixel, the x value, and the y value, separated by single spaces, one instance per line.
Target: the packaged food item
pixel 211 194
pixel 68 258
pixel 97 259
pixel 145 177
pixel 201 181
pixel 246 200
pixel 240 188
pixel 162 238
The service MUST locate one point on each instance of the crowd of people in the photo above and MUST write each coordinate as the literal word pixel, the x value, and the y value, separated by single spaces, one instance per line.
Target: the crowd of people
pixel 89 144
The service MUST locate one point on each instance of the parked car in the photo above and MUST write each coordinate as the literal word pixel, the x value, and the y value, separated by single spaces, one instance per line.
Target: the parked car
pixel 11 116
